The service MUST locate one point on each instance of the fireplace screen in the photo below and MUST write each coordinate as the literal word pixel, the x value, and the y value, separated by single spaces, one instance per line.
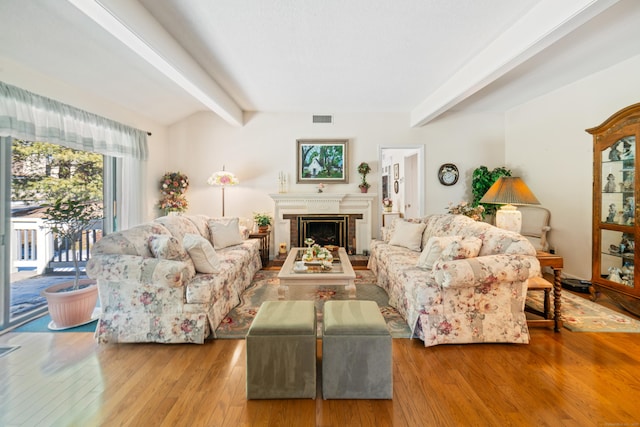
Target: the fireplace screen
pixel 325 230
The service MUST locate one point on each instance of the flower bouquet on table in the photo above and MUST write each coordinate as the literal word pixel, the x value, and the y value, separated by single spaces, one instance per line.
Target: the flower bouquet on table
pixel 464 208
pixel 387 203
pixel 319 256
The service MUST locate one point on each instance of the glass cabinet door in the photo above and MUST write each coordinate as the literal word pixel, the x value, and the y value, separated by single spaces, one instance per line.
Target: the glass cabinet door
pixel 617 216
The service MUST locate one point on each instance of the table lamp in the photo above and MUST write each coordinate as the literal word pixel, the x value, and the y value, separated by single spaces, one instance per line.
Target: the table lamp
pixel 509 191
pixel 222 179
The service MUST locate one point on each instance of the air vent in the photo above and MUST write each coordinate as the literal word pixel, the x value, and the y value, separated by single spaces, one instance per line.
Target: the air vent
pixel 322 119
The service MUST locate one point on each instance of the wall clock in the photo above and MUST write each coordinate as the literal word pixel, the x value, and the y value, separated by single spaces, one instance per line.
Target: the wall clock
pixel 448 174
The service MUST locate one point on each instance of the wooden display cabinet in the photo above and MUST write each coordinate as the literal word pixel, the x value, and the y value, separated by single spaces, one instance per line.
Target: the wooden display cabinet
pixel 615 213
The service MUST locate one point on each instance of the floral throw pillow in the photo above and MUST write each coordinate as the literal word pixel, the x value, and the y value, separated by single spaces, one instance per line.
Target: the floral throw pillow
pixel 168 247
pixel 448 248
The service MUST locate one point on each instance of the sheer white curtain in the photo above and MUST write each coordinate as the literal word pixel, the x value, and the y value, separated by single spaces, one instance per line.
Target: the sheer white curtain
pixel 25 115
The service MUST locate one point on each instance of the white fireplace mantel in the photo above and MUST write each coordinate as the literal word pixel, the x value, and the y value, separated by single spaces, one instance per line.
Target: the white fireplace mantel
pixel 324 203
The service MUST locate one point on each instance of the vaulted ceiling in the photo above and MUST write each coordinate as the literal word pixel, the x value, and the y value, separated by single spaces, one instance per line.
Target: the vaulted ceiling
pixel 167 59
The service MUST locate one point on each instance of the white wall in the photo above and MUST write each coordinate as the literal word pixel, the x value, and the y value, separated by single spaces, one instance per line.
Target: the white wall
pixel 266 145
pixel 547 145
pixel 38 83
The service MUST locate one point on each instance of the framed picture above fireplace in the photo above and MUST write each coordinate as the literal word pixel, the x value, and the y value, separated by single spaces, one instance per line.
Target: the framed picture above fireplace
pixel 322 161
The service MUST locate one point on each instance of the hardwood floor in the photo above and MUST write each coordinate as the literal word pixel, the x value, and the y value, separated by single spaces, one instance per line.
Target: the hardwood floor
pixel 566 378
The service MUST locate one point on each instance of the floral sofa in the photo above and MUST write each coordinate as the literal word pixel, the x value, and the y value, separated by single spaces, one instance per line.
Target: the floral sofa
pixel 455 280
pixel 172 280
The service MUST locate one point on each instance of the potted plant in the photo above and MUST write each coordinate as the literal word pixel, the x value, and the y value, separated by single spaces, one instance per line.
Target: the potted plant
pixel 71 303
pixel 263 220
pixel 364 169
pixel 482 179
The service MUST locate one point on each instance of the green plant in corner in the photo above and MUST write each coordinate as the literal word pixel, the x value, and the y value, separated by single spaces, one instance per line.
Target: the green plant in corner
pixel 364 169
pixel 482 179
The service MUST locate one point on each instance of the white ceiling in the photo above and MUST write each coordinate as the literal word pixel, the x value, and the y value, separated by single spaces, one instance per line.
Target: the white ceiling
pixel 423 57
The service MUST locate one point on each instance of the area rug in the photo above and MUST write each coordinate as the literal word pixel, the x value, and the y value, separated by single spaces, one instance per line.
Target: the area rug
pixel 265 288
pixel 582 315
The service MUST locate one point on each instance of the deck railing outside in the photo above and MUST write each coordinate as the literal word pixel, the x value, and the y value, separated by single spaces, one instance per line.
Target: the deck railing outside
pixel 34 247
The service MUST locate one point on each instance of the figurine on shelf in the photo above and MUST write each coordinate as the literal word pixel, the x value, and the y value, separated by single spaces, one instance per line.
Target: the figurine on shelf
pixel 612 213
pixel 627 151
pixel 614 275
pixel 628 183
pixel 610 186
pixel 614 154
pixel 629 211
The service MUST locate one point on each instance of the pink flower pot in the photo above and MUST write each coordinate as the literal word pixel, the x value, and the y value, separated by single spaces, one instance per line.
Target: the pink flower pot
pixel 71 308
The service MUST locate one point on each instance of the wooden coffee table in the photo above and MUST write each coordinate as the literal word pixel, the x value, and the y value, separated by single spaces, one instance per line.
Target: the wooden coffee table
pixel 341 274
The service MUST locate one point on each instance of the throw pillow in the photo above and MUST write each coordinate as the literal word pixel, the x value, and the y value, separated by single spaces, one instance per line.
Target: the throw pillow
pixel 168 247
pixel 202 253
pixel 407 234
pixel 225 232
pixel 448 248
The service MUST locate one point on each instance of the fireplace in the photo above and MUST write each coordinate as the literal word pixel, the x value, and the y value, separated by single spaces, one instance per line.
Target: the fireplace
pixel 324 229
pixel 357 208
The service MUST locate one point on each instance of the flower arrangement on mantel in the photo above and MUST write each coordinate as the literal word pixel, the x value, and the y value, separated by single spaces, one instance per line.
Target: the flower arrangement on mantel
pixel 364 169
pixel 464 208
pixel 173 185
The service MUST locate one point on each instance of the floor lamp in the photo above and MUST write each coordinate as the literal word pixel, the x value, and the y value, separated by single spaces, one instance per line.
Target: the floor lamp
pixel 222 179
pixel 509 191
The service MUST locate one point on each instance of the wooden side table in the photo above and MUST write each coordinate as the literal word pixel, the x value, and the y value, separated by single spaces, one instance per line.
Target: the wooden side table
pixel 265 242
pixel 555 262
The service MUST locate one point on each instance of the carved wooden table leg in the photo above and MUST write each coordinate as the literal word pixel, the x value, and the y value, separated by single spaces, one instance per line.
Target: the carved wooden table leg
pixel 557 300
pixel 556 263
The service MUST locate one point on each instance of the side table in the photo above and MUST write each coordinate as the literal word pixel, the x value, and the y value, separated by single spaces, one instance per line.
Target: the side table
pixel 555 262
pixel 265 242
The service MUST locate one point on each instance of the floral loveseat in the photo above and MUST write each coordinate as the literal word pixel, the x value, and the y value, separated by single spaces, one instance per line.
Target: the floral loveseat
pixel 455 280
pixel 164 282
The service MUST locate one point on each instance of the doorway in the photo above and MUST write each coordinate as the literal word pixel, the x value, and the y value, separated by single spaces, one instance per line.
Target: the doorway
pixel 402 178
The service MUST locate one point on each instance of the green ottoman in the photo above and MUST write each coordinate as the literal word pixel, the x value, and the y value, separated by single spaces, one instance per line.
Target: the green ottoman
pixel 281 351
pixel 356 352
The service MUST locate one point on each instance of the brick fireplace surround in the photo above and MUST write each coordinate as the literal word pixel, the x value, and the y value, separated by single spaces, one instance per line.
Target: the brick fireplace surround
pixel 358 206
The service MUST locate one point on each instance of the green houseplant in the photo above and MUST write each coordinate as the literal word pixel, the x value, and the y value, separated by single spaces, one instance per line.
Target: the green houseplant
pixel 263 220
pixel 482 179
pixel 71 304
pixel 364 169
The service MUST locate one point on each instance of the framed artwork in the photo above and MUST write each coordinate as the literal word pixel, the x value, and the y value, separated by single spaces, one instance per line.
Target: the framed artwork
pixel 396 187
pixel 322 161
pixel 396 171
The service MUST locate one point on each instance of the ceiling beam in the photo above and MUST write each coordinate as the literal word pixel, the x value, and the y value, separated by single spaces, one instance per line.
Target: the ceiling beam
pixel 543 25
pixel 135 27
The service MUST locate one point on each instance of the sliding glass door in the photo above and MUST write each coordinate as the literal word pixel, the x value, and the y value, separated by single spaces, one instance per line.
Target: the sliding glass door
pixel 32 257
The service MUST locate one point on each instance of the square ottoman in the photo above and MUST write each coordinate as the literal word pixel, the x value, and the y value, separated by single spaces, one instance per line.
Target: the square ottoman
pixel 356 352
pixel 281 351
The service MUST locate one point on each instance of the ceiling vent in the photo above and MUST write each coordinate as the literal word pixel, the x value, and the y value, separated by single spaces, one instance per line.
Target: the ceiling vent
pixel 322 119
